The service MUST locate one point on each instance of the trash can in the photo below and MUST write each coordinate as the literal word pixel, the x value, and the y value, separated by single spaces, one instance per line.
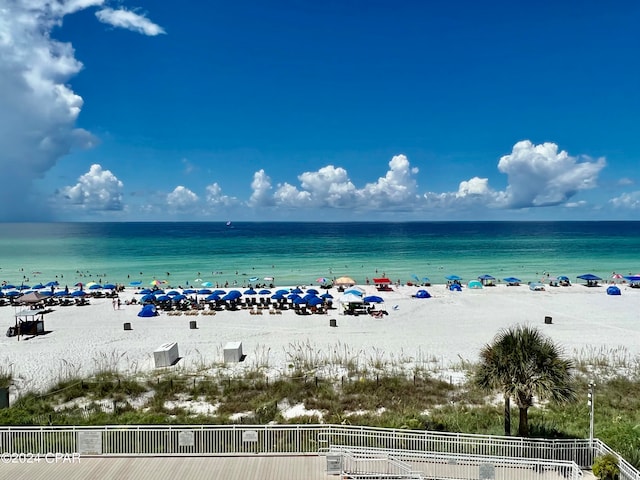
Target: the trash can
pixel 193 325
pixel 548 320
pixel 333 322
pixel 127 326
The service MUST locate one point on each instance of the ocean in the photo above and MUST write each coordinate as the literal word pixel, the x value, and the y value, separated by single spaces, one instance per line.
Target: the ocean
pixel 301 253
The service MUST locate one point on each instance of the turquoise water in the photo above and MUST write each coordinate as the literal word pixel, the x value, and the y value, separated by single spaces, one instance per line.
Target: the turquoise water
pixel 299 253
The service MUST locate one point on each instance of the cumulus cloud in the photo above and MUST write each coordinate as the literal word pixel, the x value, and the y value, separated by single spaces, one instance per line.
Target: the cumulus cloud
pixel 181 199
pixel 96 190
pixel 540 175
pixel 396 188
pixel 625 182
pixel 629 201
pixel 261 190
pixel 216 198
pixel 39 109
pixel 129 20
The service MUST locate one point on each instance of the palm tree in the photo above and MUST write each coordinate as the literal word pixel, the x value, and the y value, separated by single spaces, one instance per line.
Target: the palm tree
pixel 524 364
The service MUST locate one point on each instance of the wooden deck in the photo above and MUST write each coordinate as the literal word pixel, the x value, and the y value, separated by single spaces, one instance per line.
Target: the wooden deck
pixel 298 467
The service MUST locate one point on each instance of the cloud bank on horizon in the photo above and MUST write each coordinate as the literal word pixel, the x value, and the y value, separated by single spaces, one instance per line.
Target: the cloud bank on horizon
pixel 38 128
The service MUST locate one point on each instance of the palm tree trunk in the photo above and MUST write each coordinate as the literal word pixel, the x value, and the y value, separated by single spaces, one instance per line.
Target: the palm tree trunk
pixel 523 425
pixel 507 415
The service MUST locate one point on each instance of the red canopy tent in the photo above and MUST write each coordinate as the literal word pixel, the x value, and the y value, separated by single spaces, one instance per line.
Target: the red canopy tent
pixel 381 281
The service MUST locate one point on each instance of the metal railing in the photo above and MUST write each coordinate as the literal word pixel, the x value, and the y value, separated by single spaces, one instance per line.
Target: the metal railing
pixel 367 463
pixel 141 440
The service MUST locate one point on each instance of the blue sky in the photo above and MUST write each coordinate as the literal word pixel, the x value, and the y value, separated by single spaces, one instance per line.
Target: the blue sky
pixel 335 110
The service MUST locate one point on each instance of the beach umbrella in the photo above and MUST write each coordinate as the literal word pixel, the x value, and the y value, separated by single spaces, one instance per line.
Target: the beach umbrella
pixel 326 295
pixel 214 297
pixel 562 278
pixel 173 292
pixel 150 297
pixel 204 291
pixel 156 282
pixel 313 291
pixel 23 287
pixel 345 281
pixel 293 296
pixel 264 291
pixel 38 286
pixel 512 280
pixel 296 290
pixel 158 291
pixel 78 293
pixel 60 294
pixel 109 286
pixel 415 277
pixel 250 291
pixel 309 296
pixel 219 292
pixel 232 295
pixel 322 280
pixel 8 287
pixel 14 293
pixel 425 279
pixel 314 301
pixel 299 301
pixel 135 283
pixel 207 284
pixel 46 293
pixel 52 284
pixel 189 291
pixel 282 291
pixel 163 298
pixel 95 286
pixel 278 296
pixel 373 299
pixel 145 291
pixel 453 278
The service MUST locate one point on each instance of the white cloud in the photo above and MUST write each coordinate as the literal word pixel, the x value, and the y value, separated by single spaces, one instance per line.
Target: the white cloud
pixel 397 188
pixel 216 198
pixel 39 109
pixel 129 20
pixel 540 176
pixel 96 190
pixel 261 186
pixel 289 195
pixel 181 199
pixel 629 201
pixel 625 181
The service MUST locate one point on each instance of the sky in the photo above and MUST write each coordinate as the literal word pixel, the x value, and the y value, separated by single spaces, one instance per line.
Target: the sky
pixel 359 110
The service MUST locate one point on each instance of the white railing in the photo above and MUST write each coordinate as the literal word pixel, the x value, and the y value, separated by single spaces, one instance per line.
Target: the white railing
pixel 141 440
pixel 359 463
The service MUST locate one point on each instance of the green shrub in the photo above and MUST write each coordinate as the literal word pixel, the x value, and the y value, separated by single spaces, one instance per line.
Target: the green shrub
pixel 606 467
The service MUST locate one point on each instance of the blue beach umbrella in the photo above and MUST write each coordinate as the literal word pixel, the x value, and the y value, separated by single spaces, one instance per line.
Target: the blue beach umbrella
pixel 299 301
pixel 309 296
pixel 415 277
pixel 23 287
pixel 179 297
pixel 9 287
pixel 46 293
pixel 13 293
pixel 109 286
pixel 78 293
pixel 373 299
pixel 512 280
pixel 314 301
pixel 60 294
pixel 453 278
pixel 150 297
pixel 220 292
pixel 282 292
pixel 312 290
pixel 173 292
pixel 296 290
pixel 52 284
pixel 264 291
pixel 38 286
pixel 326 295
pixel 232 295
pixel 96 286
pixel 250 291
pixel 278 296
pixel 204 291
pixel 135 283
pixel 189 291
pixel 145 291
pixel 214 297
pixel 293 296
pixel 163 298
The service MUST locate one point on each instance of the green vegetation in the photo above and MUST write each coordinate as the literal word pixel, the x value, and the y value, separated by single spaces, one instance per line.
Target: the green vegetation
pixel 342 390
pixel 522 364
pixel 606 467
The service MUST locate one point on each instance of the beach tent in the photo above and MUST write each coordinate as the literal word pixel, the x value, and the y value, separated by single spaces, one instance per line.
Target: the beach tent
pixel 350 298
pixel 536 286
pixel 512 281
pixel 487 280
pixel 455 287
pixel 148 311
pixel 613 290
pixel 474 284
pixel 422 294
pixel 381 281
pixel 592 280
pixel 33 297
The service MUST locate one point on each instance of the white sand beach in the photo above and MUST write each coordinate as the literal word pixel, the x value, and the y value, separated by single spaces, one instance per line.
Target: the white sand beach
pixel 439 331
